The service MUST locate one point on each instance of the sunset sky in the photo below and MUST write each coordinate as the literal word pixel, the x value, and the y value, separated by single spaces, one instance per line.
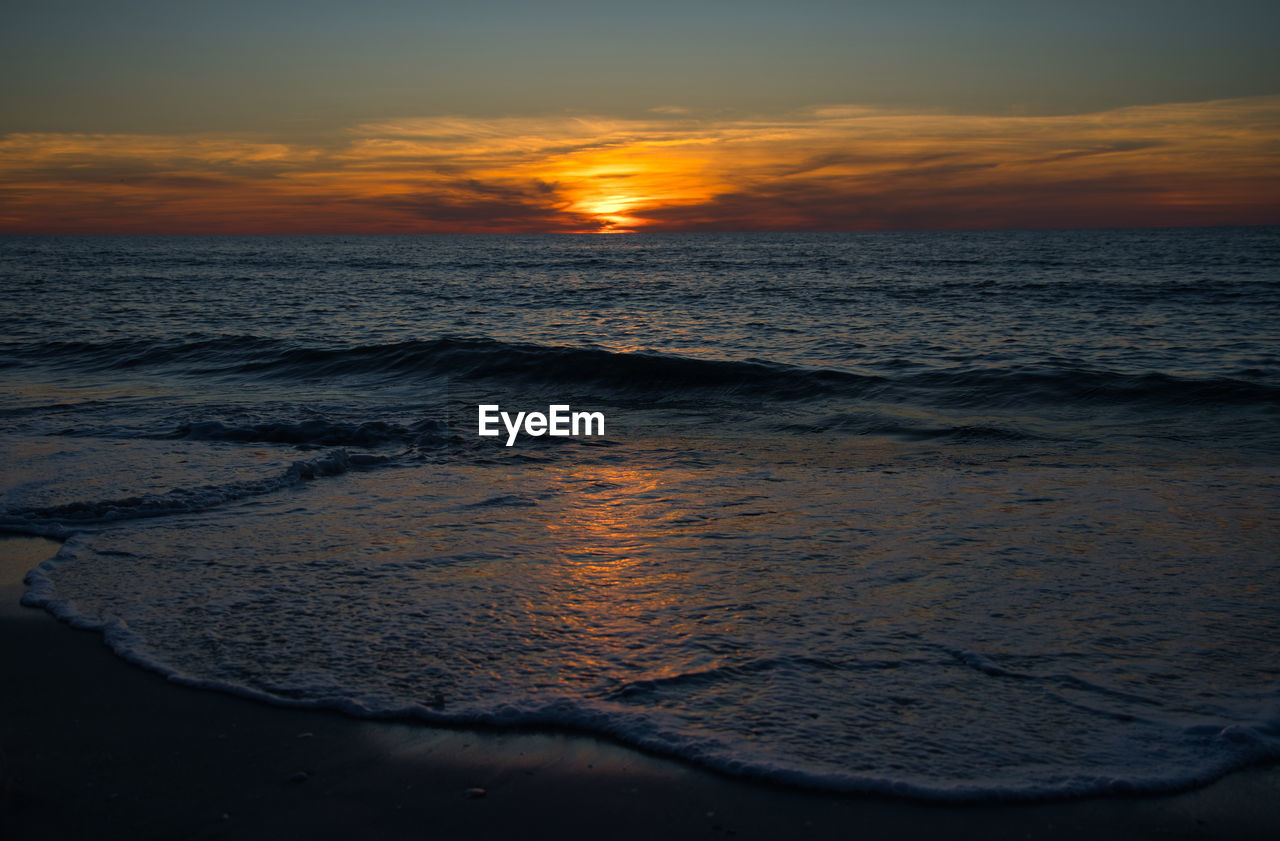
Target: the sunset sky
pixel 325 117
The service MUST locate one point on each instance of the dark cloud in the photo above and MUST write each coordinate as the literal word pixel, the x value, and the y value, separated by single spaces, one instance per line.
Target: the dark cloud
pixel 479 206
pixel 134 176
pixel 859 160
pixel 894 202
pixel 1102 149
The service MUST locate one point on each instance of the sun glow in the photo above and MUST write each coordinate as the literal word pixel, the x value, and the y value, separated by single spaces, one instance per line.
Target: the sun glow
pixel 822 169
pixel 613 186
pixel 609 209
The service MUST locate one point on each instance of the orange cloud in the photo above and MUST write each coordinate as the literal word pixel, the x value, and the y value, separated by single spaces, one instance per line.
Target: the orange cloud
pixel 822 169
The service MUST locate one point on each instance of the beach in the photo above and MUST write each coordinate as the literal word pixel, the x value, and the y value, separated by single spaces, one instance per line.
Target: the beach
pixel 95 747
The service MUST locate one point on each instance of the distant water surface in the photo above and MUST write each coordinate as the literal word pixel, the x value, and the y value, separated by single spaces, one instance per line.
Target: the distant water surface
pixel 958 515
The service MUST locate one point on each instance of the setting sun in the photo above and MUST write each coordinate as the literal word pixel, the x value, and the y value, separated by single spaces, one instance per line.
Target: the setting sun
pixel 833 168
pixel 615 185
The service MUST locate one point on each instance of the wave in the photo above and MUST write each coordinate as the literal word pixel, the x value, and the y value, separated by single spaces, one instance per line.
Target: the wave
pixel 872 423
pixel 61 520
pixel 136 353
pixel 316 432
pixel 643 374
pixel 1199 749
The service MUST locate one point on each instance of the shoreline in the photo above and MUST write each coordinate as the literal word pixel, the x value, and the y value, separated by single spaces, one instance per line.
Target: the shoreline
pixel 91 745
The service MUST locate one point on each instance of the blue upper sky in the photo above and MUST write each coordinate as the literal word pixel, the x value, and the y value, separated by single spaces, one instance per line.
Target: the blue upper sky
pixel 87 65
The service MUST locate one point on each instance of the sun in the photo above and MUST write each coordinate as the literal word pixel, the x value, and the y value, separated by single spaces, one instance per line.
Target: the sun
pixel 610 213
pixel 598 196
pixel 613 188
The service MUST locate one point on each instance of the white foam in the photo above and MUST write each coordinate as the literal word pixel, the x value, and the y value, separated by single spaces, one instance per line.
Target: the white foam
pixel 387 594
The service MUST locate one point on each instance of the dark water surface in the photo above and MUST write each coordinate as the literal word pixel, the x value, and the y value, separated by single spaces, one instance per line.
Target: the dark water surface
pixel 961 514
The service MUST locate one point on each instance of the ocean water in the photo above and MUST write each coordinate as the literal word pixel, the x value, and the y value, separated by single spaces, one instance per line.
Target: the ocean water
pixel 955 515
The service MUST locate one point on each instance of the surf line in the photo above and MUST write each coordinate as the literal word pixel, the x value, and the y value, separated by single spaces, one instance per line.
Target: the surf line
pixel 559 421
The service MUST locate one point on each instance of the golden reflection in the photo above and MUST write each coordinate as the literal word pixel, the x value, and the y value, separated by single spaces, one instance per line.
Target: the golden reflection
pixel 614 587
pixel 611 517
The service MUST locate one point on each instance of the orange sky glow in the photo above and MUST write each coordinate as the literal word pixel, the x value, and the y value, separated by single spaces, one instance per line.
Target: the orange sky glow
pixel 833 168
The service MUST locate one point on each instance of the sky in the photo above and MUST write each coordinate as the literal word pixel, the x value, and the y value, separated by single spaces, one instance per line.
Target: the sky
pixel 494 116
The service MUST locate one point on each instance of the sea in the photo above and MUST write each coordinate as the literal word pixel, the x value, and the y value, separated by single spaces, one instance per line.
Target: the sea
pixel 951 515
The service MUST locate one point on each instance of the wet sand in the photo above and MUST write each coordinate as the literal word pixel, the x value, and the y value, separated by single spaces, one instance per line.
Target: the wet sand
pixel 93 747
